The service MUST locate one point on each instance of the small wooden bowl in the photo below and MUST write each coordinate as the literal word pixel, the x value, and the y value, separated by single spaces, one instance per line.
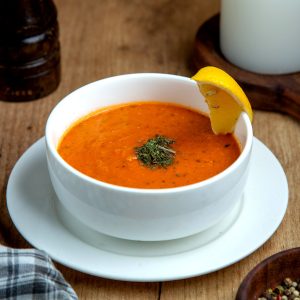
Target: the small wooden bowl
pixel 270 273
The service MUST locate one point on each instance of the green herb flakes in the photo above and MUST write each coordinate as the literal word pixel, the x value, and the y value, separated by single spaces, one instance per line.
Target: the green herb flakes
pixel 156 152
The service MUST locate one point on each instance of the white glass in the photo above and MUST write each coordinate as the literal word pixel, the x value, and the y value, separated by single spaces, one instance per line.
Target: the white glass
pixel 261 36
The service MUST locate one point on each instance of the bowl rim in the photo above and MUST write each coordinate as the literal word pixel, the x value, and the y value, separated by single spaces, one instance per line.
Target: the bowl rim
pixel 50 146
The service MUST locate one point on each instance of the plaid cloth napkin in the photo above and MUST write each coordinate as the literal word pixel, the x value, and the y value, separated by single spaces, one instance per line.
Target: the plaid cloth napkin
pixel 30 274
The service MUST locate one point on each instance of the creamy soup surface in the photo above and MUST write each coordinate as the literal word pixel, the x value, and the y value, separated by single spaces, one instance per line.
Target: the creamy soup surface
pixel 103 145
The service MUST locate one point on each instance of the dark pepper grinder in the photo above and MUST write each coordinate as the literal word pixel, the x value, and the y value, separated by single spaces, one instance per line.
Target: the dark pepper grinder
pixel 29 49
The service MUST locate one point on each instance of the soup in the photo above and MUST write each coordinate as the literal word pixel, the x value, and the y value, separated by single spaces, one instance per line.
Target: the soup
pixel 106 144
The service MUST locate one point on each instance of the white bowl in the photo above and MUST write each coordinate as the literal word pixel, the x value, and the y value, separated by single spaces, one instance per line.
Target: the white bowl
pixel 143 214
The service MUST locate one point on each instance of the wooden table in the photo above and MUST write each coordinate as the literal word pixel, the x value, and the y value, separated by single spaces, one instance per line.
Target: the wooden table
pixel 111 37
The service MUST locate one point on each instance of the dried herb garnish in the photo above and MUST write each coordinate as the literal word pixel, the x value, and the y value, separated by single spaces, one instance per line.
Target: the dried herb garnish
pixel 156 152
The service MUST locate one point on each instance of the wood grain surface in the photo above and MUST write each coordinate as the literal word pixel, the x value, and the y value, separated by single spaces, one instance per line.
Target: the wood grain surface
pixel 111 37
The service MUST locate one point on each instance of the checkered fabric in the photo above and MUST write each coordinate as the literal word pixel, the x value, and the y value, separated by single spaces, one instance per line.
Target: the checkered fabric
pixel 30 274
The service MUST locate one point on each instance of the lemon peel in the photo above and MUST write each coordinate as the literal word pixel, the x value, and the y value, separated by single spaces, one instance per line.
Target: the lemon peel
pixel 225 98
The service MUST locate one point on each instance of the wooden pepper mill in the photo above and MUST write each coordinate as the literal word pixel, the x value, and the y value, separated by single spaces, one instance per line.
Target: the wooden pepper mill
pixel 29 49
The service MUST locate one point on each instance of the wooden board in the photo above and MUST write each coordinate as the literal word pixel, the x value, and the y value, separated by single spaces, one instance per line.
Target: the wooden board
pixel 279 93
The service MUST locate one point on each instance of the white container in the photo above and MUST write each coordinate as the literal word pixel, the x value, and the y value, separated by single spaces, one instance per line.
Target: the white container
pixel 261 36
pixel 142 214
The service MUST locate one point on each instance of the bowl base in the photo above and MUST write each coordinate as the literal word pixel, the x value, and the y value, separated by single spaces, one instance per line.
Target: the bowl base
pixel 145 248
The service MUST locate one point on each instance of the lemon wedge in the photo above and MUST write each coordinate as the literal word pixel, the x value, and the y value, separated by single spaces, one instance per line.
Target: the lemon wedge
pixel 225 98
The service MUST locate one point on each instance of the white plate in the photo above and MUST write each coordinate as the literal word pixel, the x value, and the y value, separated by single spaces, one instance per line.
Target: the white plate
pixel 32 205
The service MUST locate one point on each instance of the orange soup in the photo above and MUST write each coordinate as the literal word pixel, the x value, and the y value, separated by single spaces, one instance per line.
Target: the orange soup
pixel 104 145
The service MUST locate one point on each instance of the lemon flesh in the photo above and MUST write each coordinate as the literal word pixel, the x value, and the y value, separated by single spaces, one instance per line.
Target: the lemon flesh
pixel 225 98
